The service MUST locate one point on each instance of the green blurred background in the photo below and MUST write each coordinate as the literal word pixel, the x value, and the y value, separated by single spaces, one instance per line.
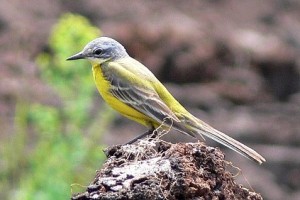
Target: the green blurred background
pixel 234 64
pixel 48 150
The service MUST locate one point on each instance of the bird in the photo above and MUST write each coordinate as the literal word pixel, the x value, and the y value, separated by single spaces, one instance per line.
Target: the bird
pixel 132 89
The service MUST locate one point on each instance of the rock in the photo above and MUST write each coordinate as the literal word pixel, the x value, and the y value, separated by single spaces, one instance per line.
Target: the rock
pixel 165 171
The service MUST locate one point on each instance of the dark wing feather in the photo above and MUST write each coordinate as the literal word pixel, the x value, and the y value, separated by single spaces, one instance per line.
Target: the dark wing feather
pixel 143 99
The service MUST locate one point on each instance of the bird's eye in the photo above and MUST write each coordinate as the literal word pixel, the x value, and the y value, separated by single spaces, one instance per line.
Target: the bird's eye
pixel 97 51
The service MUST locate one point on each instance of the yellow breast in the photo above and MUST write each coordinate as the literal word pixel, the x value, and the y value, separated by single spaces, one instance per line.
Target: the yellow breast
pixel 103 87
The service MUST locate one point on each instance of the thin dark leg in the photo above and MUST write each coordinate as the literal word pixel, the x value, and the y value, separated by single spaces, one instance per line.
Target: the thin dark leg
pixel 150 131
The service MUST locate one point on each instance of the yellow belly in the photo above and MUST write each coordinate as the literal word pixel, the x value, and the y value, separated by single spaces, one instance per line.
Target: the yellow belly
pixel 103 87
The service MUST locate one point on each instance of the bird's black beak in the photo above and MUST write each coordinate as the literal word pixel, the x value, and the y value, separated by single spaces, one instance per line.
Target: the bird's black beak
pixel 77 56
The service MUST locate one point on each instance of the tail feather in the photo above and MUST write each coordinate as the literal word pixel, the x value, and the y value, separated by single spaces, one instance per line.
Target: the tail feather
pixel 231 143
pixel 201 128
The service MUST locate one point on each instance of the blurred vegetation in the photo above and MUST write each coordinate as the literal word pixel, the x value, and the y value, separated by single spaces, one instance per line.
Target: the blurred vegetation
pixel 54 147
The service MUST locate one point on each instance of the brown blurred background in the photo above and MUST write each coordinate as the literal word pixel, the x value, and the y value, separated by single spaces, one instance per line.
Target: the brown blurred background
pixel 234 64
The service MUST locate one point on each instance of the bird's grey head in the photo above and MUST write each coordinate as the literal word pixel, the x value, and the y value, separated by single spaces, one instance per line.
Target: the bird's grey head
pixel 100 50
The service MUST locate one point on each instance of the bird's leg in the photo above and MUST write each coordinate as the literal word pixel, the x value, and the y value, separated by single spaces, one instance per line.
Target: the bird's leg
pixel 151 130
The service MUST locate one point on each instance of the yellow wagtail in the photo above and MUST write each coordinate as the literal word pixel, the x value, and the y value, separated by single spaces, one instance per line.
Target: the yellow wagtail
pixel 131 88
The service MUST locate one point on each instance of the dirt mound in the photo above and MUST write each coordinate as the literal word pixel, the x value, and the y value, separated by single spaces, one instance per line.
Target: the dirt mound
pixel 165 171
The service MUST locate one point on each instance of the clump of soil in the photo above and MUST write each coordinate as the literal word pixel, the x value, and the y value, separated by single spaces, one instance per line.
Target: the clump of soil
pixel 165 171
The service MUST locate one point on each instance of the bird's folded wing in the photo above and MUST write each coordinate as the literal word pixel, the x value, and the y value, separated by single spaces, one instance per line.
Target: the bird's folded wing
pixel 140 97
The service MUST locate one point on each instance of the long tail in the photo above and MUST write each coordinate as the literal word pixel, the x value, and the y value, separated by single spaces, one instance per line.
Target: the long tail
pixel 201 128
